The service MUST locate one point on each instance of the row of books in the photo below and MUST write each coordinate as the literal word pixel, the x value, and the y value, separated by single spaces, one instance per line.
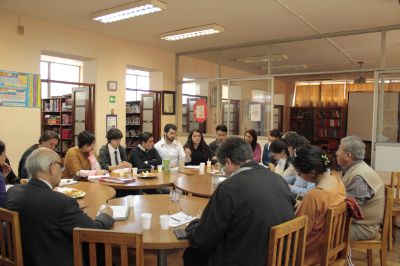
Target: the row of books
pixel 57 105
pixel 52 120
pixel 133 120
pixel 302 114
pixel 132 133
pixel 66 133
pixel 66 119
pixel 133 108
pixel 328 133
pixel 329 122
pixel 328 114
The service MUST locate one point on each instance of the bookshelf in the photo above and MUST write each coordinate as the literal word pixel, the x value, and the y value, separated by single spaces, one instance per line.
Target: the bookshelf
pixel 302 121
pixel 330 124
pixel 57 116
pixel 133 124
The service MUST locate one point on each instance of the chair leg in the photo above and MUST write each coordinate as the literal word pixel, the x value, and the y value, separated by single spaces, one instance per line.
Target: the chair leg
pixel 391 235
pixel 383 253
pixel 370 257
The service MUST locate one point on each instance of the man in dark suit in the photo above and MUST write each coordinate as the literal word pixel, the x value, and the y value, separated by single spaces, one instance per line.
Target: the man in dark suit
pixel 113 156
pixel 47 218
pixel 144 156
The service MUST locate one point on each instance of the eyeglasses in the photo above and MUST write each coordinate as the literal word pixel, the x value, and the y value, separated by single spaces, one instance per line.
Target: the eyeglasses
pixel 62 168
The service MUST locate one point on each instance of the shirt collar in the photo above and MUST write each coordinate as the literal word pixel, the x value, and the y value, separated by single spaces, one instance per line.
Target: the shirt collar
pixel 345 169
pixel 47 183
pixel 141 147
pixel 111 148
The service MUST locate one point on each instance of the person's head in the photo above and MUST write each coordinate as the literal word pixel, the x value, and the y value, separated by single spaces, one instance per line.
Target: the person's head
pixel 45 164
pixel 232 153
pixel 114 136
pixel 274 134
pixel 295 142
pixel 222 132
pixel 86 141
pixel 279 149
pixel 170 132
pixel 310 162
pixel 351 149
pixel 146 140
pixel 195 138
pixel 49 139
pixel 251 137
pixel 3 156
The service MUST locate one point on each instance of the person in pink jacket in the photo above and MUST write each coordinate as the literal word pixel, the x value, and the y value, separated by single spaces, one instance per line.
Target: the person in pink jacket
pixel 251 137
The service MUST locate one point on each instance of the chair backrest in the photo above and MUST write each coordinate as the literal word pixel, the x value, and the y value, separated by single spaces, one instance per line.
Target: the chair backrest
pixel 337 234
pixel 10 238
pixel 109 239
pixel 395 184
pixel 387 216
pixel 287 242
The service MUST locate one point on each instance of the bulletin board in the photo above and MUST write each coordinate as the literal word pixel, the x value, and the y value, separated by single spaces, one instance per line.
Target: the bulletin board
pixel 19 89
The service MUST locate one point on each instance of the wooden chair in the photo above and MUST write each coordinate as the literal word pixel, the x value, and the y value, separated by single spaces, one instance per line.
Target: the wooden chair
pixel 382 243
pixel 289 237
pixel 337 233
pixel 109 239
pixel 395 185
pixel 10 237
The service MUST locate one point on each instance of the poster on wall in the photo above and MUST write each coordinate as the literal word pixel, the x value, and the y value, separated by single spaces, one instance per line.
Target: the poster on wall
pixel 200 110
pixel 111 122
pixel 19 89
pixel 255 112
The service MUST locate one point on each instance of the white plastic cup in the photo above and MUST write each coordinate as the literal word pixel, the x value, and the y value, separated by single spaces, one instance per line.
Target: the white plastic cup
pixel 208 164
pixel 130 201
pixel 201 168
pixel 146 220
pixel 164 221
pixel 134 171
pixel 159 168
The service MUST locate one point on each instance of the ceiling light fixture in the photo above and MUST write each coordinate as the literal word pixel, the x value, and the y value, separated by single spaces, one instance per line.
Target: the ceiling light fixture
pixel 129 10
pixel 262 58
pixel 286 67
pixel 192 32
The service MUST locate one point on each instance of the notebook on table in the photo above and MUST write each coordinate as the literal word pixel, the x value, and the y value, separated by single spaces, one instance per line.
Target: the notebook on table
pixel 120 213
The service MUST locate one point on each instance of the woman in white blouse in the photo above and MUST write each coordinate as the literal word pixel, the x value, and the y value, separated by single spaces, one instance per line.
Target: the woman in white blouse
pixel 279 150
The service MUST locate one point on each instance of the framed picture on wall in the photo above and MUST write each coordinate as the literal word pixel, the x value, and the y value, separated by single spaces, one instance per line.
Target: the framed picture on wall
pixel 168 103
pixel 111 122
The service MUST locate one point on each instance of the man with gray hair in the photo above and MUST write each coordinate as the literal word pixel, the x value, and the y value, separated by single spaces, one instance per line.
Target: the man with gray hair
pixel 234 227
pixel 363 184
pixel 47 218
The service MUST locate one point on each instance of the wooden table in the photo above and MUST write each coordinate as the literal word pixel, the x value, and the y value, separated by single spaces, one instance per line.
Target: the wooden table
pixel 155 237
pixel 196 184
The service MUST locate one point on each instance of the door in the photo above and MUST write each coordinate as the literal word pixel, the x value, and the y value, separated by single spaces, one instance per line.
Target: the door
pixel 150 114
pixel 83 110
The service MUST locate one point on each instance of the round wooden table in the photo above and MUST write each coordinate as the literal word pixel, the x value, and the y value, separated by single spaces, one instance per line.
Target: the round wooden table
pixel 155 237
pixel 196 184
pixel 162 180
pixel 96 195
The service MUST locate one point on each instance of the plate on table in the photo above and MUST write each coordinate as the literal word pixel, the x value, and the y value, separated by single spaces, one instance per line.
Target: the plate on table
pixel 147 175
pixel 72 192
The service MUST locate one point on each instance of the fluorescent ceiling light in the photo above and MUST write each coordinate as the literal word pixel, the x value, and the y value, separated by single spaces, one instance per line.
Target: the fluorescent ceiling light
pixel 262 58
pixel 192 32
pixel 286 67
pixel 129 10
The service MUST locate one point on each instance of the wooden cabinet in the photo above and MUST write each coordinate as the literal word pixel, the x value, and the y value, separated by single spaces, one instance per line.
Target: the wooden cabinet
pixel 133 124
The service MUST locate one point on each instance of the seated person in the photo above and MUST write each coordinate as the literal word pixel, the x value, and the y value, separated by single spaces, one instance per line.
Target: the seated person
pixel 196 148
pixel 312 164
pixel 235 225
pixel 169 148
pixel 3 193
pixel 47 218
pixel 364 185
pixel 8 173
pixel 113 156
pixel 251 137
pixel 222 132
pixel 267 158
pixel 80 162
pixel 49 139
pixel 145 156
pixel 280 153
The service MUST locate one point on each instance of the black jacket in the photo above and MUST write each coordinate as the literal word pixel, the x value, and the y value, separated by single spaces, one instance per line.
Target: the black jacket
pixel 105 158
pixel 47 219
pixel 234 227
pixel 138 158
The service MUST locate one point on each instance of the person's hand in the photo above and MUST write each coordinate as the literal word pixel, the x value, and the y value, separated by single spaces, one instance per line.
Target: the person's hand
pixel 6 169
pixel 107 210
pixel 126 164
pixel 188 152
pixel 271 166
pixel 290 186
pixel 101 172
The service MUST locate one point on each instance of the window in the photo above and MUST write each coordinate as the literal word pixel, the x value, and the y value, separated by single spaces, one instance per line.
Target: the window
pixel 54 69
pixel 137 83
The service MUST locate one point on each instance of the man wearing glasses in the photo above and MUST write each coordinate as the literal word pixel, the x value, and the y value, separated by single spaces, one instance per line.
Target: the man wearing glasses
pixel 47 218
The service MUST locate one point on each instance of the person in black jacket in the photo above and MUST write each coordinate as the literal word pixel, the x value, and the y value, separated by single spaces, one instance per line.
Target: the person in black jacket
pixel 196 148
pixel 113 156
pixel 222 132
pixel 235 225
pixel 47 218
pixel 49 139
pixel 144 156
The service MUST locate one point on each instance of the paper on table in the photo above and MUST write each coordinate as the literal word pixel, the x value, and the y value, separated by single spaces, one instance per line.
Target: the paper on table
pixel 120 213
pixel 97 177
pixel 192 166
pixel 179 219
pixel 65 182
